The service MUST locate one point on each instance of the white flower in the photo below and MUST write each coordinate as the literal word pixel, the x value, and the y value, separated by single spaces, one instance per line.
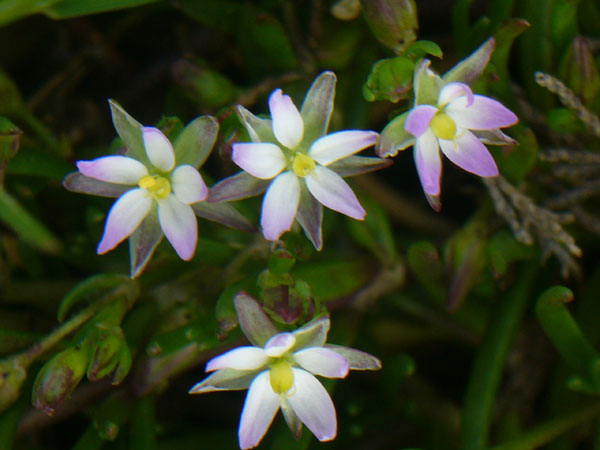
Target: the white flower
pixel 172 189
pixel 280 373
pixel 296 156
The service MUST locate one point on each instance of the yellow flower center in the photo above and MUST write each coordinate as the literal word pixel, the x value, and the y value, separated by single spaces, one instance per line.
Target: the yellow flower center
pixel 443 126
pixel 281 377
pixel 158 187
pixel 303 164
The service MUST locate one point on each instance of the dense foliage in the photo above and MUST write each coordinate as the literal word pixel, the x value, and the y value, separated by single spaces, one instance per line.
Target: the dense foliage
pixel 477 291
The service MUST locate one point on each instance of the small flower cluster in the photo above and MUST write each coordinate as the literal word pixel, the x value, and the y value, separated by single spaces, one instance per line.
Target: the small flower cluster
pixel 300 168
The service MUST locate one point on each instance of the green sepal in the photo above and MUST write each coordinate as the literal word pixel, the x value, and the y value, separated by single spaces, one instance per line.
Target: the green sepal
pixel 130 131
pixel 195 142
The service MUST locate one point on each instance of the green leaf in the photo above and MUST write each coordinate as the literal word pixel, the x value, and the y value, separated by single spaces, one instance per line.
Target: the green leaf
pixel 331 280
pixel 27 227
pixel 64 9
pixel 504 249
pixel 194 144
pixel 375 232
pixel 567 338
pixel 419 49
pixel 203 85
pixel 224 15
pixel 390 79
pixel 93 287
pixel 130 130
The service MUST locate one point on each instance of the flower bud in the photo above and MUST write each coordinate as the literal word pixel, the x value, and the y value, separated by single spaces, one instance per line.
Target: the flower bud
pixel 59 377
pixel 12 376
pixel 393 22
pixel 106 354
pixel 281 262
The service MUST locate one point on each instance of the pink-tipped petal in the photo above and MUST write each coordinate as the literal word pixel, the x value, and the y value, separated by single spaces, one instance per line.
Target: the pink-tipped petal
pixel 429 163
pixel 419 118
pixel 113 169
pixel 159 149
pixel 323 362
pixel 280 205
pixel 279 344
pixel 332 191
pixel 336 146
pixel 188 185
pixel 469 153
pixel 241 358
pixel 179 224
pixel 484 114
pixel 288 125
pixel 455 90
pixel 124 217
pixel 259 410
pixel 312 404
pixel 261 160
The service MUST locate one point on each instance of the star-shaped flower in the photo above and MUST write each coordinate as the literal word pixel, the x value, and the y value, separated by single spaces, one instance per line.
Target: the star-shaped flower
pixel 279 372
pixel 305 164
pixel 158 186
pixel 448 116
pixel 447 126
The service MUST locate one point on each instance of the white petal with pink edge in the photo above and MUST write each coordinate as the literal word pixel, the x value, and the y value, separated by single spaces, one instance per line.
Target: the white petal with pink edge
pixel 455 90
pixel 259 410
pixel 241 358
pixel 113 169
pixel 336 146
pixel 288 125
pixel 323 362
pixel 332 191
pixel 419 118
pixel 159 149
pixel 312 404
pixel 261 160
pixel 280 205
pixel 124 217
pixel 188 185
pixel 483 114
pixel 468 152
pixel 179 224
pixel 429 163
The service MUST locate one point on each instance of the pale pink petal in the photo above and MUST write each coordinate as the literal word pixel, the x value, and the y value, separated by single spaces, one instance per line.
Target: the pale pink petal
pixel 241 358
pixel 113 169
pixel 280 205
pixel 261 160
pixel 468 152
pixel 336 146
pixel 322 361
pixel 279 344
pixel 124 217
pixel 159 149
pixel 259 410
pixel 429 163
pixel 454 90
pixel 179 224
pixel 288 125
pixel 484 114
pixel 332 191
pixel 419 118
pixel 312 404
pixel 188 185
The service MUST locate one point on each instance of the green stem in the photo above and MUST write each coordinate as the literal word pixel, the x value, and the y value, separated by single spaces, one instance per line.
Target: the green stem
pixel 490 362
pixel 49 341
pixel 547 432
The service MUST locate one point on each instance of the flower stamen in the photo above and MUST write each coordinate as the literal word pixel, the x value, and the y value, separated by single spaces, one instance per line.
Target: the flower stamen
pixel 158 187
pixel 281 377
pixel 303 164
pixel 443 126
